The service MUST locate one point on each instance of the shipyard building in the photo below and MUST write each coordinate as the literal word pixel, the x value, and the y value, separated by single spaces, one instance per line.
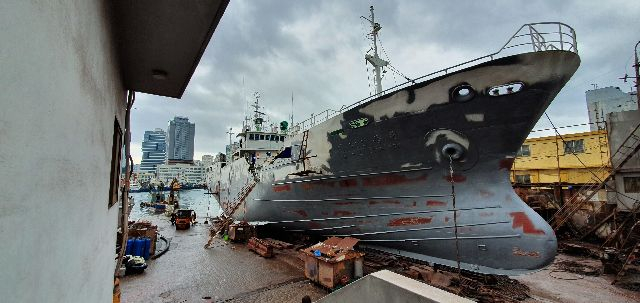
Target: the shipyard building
pixel 603 101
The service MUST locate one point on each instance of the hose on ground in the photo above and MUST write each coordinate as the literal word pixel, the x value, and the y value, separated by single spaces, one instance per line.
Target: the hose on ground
pixel 166 248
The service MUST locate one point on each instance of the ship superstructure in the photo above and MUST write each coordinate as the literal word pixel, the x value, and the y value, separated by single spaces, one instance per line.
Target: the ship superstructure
pixel 421 169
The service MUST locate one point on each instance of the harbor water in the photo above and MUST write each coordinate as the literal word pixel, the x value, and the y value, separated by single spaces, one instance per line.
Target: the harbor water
pixel 197 199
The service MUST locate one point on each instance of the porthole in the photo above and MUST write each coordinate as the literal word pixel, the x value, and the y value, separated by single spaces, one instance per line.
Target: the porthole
pixel 462 93
pixel 505 89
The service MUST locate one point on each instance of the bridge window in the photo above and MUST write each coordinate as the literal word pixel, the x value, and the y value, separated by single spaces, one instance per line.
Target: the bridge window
pixel 251 137
pixel 261 137
pixel 281 138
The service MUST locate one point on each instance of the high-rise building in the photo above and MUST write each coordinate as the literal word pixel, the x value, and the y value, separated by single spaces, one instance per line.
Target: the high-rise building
pixel 154 149
pixel 207 160
pixel 180 137
pixel 603 101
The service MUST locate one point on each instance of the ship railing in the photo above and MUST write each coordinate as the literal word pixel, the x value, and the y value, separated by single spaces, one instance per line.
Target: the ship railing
pixel 536 37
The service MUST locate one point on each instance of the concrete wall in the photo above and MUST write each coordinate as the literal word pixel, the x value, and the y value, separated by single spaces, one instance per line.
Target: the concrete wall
pixel 620 126
pixel 603 101
pixel 388 287
pixel 60 94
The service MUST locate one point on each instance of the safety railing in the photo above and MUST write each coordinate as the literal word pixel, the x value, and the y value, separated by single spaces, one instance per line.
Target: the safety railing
pixel 542 36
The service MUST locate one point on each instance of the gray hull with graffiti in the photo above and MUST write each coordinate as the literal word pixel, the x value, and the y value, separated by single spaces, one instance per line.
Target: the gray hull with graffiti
pixel 422 171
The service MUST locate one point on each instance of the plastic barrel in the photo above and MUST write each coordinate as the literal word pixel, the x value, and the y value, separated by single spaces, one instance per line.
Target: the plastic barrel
pixel 138 247
pixel 147 248
pixel 129 249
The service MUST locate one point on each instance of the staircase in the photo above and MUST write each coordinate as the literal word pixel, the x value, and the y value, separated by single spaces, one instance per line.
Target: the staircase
pixel 630 247
pixel 627 149
pixel 616 238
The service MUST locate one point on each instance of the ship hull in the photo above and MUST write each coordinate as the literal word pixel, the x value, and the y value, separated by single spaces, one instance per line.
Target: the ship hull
pixel 417 172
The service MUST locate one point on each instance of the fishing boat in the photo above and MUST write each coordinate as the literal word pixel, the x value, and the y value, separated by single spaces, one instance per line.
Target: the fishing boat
pixel 419 170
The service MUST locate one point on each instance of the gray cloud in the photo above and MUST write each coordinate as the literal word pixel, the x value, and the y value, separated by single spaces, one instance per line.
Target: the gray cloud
pixel 315 49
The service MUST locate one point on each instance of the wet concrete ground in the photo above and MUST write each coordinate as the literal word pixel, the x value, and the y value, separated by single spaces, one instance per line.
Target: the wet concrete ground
pixel 225 272
pixel 231 273
pixel 551 285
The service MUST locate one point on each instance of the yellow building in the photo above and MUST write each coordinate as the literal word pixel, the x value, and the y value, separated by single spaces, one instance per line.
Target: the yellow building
pixel 578 158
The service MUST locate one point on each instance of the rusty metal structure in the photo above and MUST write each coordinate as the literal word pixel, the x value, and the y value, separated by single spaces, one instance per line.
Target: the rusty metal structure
pixel 419 170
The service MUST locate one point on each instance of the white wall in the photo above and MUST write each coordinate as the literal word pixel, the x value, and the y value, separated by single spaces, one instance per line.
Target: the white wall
pixel 60 91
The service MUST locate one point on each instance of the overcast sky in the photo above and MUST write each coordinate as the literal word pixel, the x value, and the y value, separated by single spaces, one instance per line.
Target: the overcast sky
pixel 315 51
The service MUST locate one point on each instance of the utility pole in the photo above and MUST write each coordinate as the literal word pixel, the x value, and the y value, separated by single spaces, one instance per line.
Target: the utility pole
pixel 636 68
pixel 375 60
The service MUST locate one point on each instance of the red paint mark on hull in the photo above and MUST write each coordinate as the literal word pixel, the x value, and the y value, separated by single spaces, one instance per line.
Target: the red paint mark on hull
pixel 314 225
pixel 519 252
pixel 301 213
pixel 318 184
pixel 409 221
pixel 435 203
pixel 348 183
pixel 280 188
pixel 342 213
pixel 520 219
pixel 456 178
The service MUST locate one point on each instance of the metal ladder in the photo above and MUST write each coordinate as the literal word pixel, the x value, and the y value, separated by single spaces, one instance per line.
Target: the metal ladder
pixel 242 195
pixel 627 149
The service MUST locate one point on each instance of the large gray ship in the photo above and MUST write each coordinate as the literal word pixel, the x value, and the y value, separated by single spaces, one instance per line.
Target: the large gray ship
pixel 421 169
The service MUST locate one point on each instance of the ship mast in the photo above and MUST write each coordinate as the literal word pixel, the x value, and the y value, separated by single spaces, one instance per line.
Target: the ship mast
pixel 375 60
pixel 257 116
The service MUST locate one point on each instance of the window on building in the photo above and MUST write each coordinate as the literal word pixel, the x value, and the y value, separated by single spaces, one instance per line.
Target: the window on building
pixel 631 184
pixel 523 179
pixel 524 151
pixel 574 146
pixel 116 157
